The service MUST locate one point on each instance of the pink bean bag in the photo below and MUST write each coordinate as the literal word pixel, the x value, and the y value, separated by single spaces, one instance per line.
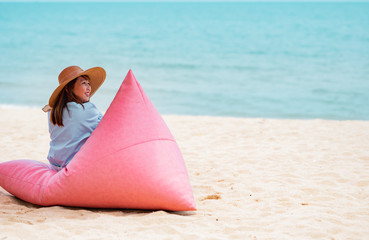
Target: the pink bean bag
pixel 131 160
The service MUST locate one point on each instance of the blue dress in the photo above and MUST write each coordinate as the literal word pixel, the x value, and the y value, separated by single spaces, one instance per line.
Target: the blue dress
pixel 65 142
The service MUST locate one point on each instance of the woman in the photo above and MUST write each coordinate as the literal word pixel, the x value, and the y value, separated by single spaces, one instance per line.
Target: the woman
pixel 72 118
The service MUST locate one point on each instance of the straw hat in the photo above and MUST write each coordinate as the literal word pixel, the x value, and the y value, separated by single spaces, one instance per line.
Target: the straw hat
pixel 96 74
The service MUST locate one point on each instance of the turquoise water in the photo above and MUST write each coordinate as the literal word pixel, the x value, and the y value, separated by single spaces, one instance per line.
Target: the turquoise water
pixel 274 60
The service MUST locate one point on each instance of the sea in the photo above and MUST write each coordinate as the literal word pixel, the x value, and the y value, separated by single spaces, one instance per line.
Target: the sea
pixel 241 59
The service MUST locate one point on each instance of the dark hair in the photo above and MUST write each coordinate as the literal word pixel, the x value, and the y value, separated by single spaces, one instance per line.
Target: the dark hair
pixel 66 95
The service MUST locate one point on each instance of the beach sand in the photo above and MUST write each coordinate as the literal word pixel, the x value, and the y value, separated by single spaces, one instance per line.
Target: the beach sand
pixel 252 179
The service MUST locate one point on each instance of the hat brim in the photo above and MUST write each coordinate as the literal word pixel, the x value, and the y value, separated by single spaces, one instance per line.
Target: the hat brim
pixel 97 77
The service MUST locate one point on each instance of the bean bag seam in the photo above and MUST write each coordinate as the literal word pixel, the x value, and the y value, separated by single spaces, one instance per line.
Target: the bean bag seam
pixel 43 185
pixel 22 180
pixel 160 139
pixel 142 96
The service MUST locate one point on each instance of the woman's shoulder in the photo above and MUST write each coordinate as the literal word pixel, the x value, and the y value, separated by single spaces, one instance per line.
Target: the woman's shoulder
pixel 79 106
pixel 82 110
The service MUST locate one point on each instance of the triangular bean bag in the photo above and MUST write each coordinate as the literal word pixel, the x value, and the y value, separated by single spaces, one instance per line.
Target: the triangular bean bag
pixel 131 160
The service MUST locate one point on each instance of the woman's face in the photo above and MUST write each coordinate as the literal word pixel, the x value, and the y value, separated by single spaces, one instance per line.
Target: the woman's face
pixel 82 89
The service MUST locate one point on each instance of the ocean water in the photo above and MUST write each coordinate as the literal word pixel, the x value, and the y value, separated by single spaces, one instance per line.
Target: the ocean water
pixel 269 60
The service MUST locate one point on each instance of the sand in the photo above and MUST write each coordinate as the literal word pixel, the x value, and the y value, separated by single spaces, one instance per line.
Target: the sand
pixel 252 179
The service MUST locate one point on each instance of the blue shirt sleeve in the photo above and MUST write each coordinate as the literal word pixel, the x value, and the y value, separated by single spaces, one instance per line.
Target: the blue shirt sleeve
pixel 79 122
